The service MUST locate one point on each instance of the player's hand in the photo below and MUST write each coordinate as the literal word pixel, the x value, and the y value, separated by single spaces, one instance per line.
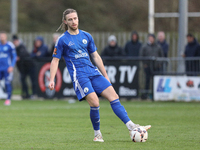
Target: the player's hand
pixel 38 53
pixel 10 69
pixel 51 85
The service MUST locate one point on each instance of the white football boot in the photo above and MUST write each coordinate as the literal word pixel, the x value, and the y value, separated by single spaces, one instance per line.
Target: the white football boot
pixel 98 138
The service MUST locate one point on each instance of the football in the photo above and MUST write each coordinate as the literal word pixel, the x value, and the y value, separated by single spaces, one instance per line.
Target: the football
pixel 139 135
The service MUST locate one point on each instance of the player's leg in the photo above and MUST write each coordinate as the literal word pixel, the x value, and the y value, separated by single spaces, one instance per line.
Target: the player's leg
pixel 8 85
pixel 93 101
pixel 84 89
pixel 110 94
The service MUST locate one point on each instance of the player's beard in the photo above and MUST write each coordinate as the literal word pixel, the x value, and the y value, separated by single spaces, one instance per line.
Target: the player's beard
pixel 73 28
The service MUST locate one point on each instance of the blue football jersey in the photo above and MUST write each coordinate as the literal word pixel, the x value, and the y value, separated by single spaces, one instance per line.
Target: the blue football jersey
pixel 76 49
pixel 7 55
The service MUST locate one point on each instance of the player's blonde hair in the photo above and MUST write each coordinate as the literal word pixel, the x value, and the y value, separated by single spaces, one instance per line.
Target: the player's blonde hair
pixel 63 26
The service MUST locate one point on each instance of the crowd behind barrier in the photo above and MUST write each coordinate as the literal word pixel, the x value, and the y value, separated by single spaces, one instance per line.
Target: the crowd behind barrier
pixel 117 54
pixel 101 38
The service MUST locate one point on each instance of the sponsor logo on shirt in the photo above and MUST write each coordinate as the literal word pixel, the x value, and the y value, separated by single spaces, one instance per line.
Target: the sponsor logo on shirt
pixel 3 55
pixel 70 43
pixel 81 54
pixel 84 41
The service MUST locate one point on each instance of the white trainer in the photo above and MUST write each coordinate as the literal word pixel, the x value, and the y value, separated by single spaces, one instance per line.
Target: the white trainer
pixel 98 138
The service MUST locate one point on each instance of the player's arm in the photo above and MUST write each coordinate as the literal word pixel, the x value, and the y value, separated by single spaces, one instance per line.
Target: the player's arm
pixel 99 63
pixel 53 70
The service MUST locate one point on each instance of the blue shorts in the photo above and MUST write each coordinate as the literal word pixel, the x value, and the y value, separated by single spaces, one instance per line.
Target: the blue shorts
pixel 85 86
pixel 7 76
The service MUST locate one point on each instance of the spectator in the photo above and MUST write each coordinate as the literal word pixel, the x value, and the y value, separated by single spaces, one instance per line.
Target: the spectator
pixel 151 49
pixel 40 49
pixel 25 66
pixel 197 53
pixel 191 50
pixel 112 49
pixel 133 46
pixel 162 42
pixel 165 47
pixel 7 63
pixel 55 37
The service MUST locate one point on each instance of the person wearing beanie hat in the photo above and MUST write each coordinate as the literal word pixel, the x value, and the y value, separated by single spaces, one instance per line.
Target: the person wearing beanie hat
pixel 112 49
pixel 150 49
pixel 152 35
pixel 25 66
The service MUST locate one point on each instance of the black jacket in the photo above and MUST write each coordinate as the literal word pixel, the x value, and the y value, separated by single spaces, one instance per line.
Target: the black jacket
pixel 25 62
pixel 132 47
pixel 165 47
pixel 191 49
pixel 112 51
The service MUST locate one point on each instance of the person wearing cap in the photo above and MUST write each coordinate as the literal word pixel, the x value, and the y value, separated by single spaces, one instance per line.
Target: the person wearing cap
pixel 25 66
pixel 40 49
pixel 112 49
pixel 133 46
pixel 191 50
pixel 150 49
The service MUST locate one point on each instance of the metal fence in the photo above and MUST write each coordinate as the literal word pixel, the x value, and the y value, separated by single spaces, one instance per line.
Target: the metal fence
pixel 101 39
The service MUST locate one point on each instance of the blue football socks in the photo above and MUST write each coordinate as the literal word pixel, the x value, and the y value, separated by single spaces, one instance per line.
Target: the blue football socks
pixel 119 110
pixel 95 117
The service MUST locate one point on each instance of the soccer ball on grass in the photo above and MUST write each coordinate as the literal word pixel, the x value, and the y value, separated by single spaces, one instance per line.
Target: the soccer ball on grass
pixel 139 135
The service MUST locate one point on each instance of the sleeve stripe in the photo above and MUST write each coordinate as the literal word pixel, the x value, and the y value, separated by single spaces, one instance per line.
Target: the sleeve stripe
pixel 11 45
pixel 59 39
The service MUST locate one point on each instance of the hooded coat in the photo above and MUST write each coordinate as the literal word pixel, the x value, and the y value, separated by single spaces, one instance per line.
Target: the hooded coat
pixel 43 49
pixel 132 47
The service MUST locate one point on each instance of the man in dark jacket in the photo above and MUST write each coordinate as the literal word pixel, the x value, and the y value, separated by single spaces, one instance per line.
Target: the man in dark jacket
pixel 191 50
pixel 162 42
pixel 25 66
pixel 133 46
pixel 112 49
pixel 40 49
pixel 151 49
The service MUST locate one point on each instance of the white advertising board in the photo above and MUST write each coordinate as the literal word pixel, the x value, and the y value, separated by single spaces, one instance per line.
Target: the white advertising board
pixel 178 88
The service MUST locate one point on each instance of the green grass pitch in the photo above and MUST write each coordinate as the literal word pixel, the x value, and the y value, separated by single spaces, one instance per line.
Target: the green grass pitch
pixel 59 125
